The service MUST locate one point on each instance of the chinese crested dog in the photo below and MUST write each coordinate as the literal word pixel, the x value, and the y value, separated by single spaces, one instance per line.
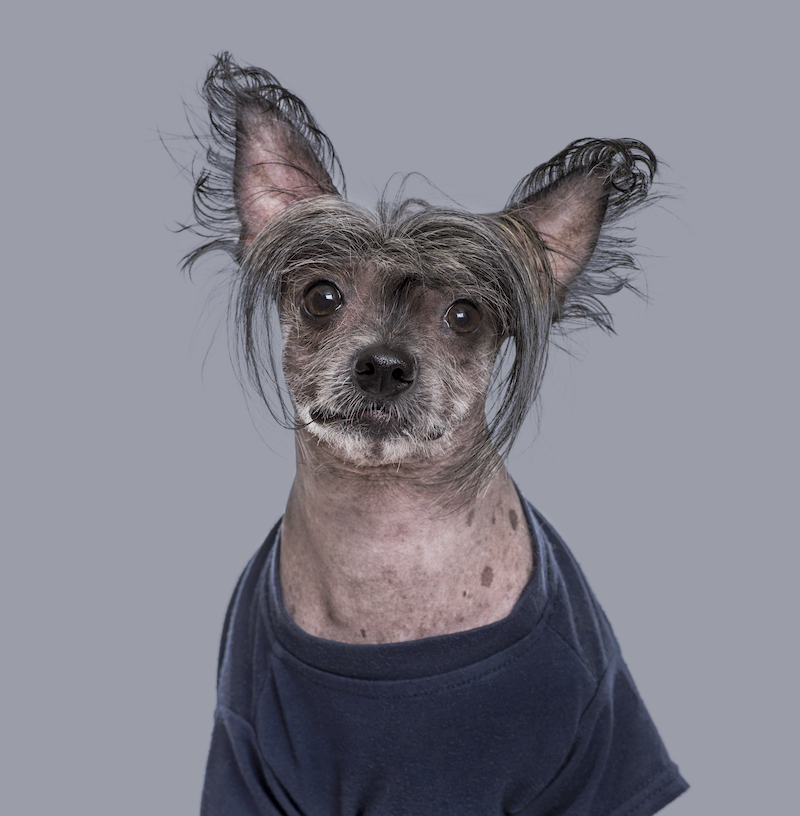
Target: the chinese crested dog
pixel 413 340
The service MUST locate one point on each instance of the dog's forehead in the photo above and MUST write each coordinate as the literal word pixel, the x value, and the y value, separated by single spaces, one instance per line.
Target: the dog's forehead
pixel 382 273
pixel 423 241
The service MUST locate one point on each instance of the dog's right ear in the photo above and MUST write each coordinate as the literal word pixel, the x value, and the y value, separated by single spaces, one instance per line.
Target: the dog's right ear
pixel 262 152
pixel 276 165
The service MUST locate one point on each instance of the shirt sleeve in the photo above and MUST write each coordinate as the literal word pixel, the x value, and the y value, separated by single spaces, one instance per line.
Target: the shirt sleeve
pixel 237 781
pixel 618 765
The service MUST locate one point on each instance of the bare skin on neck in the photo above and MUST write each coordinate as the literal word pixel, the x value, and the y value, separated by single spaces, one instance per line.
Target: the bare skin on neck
pixel 366 558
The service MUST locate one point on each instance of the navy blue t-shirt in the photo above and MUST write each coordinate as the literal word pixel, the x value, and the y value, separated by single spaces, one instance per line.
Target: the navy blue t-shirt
pixel 535 714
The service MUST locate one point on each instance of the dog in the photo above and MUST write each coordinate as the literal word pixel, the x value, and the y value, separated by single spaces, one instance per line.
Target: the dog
pixel 413 637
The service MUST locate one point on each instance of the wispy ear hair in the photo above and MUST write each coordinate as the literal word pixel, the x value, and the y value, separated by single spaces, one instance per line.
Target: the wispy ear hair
pixel 573 201
pixel 280 150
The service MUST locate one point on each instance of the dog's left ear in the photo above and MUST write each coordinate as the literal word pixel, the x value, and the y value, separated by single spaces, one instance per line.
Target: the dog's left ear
pixel 568 215
pixel 569 199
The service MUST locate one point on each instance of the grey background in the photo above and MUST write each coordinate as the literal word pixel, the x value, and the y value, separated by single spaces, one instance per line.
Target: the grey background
pixel 135 486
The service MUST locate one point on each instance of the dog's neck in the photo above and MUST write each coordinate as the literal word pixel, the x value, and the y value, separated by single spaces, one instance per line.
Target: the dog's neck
pixel 366 557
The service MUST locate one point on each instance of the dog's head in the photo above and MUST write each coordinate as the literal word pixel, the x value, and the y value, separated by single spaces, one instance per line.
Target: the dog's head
pixel 392 322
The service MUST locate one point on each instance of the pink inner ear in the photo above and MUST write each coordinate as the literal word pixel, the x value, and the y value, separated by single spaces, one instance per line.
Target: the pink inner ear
pixel 568 215
pixel 274 169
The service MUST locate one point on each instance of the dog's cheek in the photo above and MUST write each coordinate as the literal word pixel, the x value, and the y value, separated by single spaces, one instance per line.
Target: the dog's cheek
pixel 297 360
pixel 474 372
pixel 315 363
pixel 303 343
pixel 456 381
pixel 473 358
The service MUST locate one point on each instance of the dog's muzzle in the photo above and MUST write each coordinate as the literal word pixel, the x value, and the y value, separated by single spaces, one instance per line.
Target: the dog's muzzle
pixel 380 375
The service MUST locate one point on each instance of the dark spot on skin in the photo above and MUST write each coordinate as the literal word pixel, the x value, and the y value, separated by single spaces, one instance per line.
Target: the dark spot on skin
pixel 329 611
pixel 464 594
pixel 470 517
pixel 512 517
pixel 487 576
pixel 363 633
pixel 492 518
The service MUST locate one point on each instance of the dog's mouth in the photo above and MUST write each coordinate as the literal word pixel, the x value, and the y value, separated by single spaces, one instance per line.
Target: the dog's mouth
pixel 375 419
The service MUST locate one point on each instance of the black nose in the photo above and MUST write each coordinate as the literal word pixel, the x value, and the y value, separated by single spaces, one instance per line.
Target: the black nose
pixel 382 371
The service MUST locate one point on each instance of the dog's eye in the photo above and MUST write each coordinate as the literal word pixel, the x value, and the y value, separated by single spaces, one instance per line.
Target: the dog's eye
pixel 322 299
pixel 462 317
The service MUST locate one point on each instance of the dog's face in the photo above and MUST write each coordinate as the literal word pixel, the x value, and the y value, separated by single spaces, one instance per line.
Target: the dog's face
pixel 383 368
pixel 391 324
